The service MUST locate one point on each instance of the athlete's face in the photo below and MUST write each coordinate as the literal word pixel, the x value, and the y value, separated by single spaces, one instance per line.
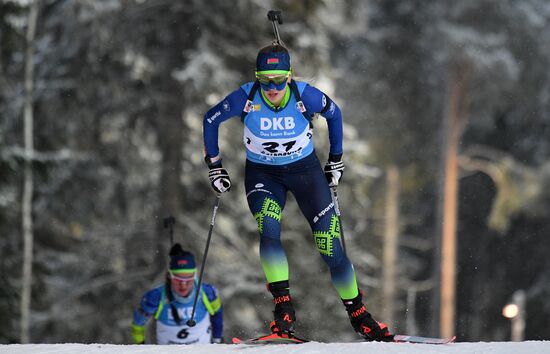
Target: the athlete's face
pixel 182 283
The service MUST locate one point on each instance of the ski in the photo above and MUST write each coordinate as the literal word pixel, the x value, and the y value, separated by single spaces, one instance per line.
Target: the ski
pixel 401 338
pixel 270 339
pixel 398 338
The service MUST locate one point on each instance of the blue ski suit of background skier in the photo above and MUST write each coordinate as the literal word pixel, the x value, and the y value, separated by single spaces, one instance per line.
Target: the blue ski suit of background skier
pixel 171 305
pixel 276 112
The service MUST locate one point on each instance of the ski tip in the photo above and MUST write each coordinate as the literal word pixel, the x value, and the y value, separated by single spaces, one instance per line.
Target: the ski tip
pixel 235 340
pixel 400 338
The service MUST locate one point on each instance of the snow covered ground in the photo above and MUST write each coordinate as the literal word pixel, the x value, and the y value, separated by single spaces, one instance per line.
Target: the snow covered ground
pixel 530 347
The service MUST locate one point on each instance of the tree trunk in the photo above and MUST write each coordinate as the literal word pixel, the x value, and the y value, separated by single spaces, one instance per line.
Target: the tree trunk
pixel 456 118
pixel 391 233
pixel 170 136
pixel 26 212
pixel 170 132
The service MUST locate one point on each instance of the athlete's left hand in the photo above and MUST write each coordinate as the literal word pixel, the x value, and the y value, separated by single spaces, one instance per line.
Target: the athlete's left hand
pixel 334 169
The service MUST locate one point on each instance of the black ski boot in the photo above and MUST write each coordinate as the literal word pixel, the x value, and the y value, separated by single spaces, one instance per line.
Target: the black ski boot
pixel 283 325
pixel 363 323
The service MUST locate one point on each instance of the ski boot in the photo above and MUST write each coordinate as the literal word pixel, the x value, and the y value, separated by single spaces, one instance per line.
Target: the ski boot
pixel 283 324
pixel 363 323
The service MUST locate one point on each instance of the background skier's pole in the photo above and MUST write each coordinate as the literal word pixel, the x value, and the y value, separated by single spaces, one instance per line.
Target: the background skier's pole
pixel 191 322
pixel 169 223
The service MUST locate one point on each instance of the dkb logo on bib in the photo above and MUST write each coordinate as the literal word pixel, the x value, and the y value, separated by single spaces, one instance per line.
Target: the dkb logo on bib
pixel 277 123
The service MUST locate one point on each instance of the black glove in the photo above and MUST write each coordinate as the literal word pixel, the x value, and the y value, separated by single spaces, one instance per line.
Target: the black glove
pixel 218 176
pixel 334 169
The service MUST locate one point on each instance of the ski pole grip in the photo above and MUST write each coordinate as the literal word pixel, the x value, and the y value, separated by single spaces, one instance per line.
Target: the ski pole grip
pixel 169 221
pixel 275 15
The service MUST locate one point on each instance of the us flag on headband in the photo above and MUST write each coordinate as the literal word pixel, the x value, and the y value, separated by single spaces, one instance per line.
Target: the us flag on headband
pixel 273 60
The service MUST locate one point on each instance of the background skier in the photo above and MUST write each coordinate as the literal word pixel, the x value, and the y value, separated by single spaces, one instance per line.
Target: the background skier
pixel 171 305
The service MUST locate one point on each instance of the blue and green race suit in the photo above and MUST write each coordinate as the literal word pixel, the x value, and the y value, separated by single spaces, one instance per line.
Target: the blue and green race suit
pixel 281 158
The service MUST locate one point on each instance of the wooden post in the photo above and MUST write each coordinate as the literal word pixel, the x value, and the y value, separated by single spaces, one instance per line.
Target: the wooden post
pixel 391 234
pixel 448 245
pixel 518 322
pixel 456 118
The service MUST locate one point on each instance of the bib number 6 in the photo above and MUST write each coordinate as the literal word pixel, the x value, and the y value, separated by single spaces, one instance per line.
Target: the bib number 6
pixel 183 334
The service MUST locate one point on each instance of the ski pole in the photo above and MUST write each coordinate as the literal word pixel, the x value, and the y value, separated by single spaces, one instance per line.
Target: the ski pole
pixel 191 322
pixel 334 195
pixel 169 223
pixel 276 16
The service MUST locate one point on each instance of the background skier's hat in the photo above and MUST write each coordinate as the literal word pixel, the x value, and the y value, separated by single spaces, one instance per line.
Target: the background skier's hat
pixel 273 57
pixel 181 261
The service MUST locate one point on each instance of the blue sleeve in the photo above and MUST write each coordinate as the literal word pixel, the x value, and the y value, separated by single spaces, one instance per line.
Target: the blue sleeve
pixel 231 106
pixel 318 102
pixel 217 318
pixel 148 306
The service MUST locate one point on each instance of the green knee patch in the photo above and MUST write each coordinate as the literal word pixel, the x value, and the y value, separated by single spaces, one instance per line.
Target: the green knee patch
pixel 325 239
pixel 269 208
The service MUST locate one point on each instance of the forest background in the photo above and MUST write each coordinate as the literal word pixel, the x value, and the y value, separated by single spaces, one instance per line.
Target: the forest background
pixel 114 92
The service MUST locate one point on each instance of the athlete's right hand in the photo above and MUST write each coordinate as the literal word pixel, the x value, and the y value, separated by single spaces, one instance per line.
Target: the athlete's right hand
pixel 219 179
pixel 334 170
